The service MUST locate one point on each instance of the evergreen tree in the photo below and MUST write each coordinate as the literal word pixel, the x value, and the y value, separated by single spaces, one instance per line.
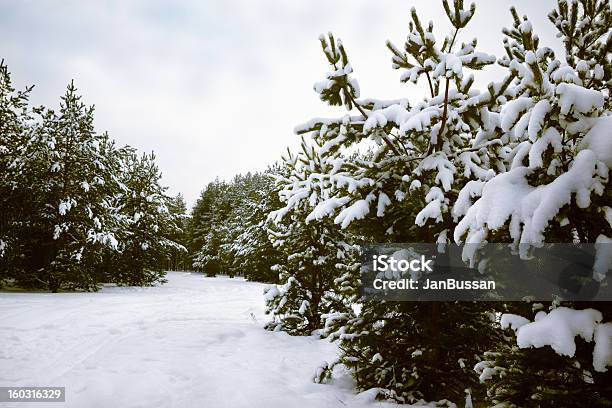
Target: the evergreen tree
pixel 557 168
pixel 16 128
pixel 318 274
pixel 210 231
pixel 252 250
pixel 542 375
pixel 228 228
pixel 65 198
pixel 200 220
pixel 405 189
pixel 179 257
pixel 552 133
pixel 70 220
pixel 145 246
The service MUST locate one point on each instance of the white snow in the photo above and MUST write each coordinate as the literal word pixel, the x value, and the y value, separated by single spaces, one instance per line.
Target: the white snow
pixel 603 257
pixel 473 188
pixel 383 202
pixel 66 205
pixel 357 211
pixel 602 353
pixel 599 140
pixel 537 118
pixel 446 169
pixel 326 208
pixel 419 121
pixel 508 196
pixel 433 209
pixel 559 328
pixel 513 321
pixel 449 64
pixel 551 137
pixel 486 370
pixel 579 99
pixel 194 342
pixel 513 110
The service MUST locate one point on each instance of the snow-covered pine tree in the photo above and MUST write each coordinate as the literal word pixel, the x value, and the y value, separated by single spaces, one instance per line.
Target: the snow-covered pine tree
pixel 555 134
pixel 65 194
pixel 556 129
pixel 147 224
pixel 15 116
pixel 179 258
pixel 233 223
pixel 70 220
pixel 555 357
pixel 228 228
pixel 318 274
pixel 419 157
pixel 62 190
pixel 210 229
pixel 252 251
pixel 200 220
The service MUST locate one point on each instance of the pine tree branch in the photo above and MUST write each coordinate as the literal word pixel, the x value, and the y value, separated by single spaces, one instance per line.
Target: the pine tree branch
pixel 431 147
pixel 431 90
pixel 365 115
pixel 450 45
pixel 476 148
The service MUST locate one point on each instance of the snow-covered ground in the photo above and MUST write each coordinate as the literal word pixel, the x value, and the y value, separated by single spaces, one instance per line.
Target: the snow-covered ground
pixel 194 342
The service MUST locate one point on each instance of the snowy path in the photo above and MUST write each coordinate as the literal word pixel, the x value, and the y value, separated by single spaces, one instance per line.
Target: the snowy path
pixel 194 342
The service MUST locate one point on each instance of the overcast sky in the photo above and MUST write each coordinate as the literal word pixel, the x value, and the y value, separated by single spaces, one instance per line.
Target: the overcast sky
pixel 215 87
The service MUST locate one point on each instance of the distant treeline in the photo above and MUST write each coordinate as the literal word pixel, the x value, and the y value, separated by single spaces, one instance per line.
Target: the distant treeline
pixel 228 230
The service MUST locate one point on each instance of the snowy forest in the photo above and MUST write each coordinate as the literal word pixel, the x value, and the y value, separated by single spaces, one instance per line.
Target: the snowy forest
pixel 76 209
pixel 525 160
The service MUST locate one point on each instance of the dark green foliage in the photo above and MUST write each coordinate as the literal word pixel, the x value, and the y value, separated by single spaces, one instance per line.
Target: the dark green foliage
pixel 318 268
pixel 409 351
pixel 228 228
pixel 144 243
pixel 69 197
pixel 539 377
pixel 252 249
pixel 426 168
pixel 317 263
pixel 415 351
pixel 179 257
pixel 211 228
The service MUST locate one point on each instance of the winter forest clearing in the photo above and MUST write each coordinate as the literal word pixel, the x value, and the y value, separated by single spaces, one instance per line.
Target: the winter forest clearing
pixel 194 342
pixel 503 153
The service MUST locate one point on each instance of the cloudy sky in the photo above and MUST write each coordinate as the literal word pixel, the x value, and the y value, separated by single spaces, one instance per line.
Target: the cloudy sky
pixel 215 87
